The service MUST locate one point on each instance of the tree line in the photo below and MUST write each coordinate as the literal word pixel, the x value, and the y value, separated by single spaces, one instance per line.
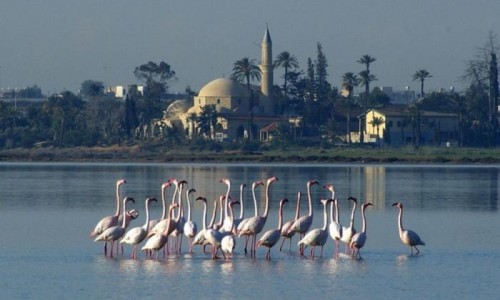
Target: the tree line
pixel 91 117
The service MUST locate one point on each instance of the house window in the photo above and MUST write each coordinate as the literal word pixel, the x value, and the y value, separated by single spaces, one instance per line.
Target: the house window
pixel 389 124
pixel 218 101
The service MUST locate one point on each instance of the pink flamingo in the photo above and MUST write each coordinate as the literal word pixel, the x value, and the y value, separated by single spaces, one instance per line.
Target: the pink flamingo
pixel 286 233
pixel 318 236
pixel 358 240
pixel 271 237
pixel 109 221
pixel 348 232
pixel 152 223
pixel 408 237
pixel 243 222
pixel 137 234
pixel 302 224
pixel 190 227
pixel 116 232
pixel 158 241
pixel 228 221
pixel 228 243
pixel 335 229
pixel 199 239
pixel 255 225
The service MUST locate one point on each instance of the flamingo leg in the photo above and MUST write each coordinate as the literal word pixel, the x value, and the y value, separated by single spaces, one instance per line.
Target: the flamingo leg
pixel 105 248
pixel 282 242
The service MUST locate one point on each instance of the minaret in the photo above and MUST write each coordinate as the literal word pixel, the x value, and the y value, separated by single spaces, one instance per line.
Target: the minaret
pixel 266 67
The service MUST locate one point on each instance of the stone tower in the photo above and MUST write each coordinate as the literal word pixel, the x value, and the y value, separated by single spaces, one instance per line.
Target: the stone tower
pixel 266 68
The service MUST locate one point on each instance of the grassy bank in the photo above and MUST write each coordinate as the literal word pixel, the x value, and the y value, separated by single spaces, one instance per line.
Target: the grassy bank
pixel 310 155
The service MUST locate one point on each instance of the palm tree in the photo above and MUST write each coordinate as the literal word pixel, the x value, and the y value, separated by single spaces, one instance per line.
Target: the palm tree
pixel 377 122
pixel 287 61
pixel 366 78
pixel 421 75
pixel 246 69
pixel 349 82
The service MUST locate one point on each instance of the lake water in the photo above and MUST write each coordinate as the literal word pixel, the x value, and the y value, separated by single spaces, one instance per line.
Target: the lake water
pixel 48 209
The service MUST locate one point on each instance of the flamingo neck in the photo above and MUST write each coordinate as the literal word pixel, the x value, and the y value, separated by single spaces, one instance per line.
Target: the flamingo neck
pixel 325 217
pixel 221 210
pixel 146 225
pixel 363 228
pixel 280 217
pixel 309 198
pixel 241 202
pixel 231 214
pixel 266 208
pixel 226 213
pixel 331 213
pixel 352 215
pixel 204 215
pixel 124 222
pixel 165 233
pixel 400 220
pixel 336 211
pixel 179 201
pixel 254 201
pixel 188 205
pixel 118 197
pixel 297 209
pixel 163 203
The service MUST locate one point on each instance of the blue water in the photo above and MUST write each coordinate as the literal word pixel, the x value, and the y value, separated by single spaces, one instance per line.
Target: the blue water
pixel 48 210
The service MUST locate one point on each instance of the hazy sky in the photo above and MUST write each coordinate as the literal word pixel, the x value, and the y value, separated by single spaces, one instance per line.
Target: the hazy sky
pixel 57 44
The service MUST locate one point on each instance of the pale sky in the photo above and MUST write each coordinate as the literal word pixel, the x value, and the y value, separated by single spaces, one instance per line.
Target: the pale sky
pixel 58 44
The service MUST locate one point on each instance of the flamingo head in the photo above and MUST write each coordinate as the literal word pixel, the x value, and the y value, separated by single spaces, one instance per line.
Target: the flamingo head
pixel 312 182
pixel 151 199
pixel 366 205
pixel 201 199
pixel 242 186
pixel 398 204
pixel 353 199
pixel 329 187
pixel 225 181
pixel 234 203
pixel 120 182
pixel 165 185
pixel 271 180
pixel 283 201
pixel 191 191
pixel 257 183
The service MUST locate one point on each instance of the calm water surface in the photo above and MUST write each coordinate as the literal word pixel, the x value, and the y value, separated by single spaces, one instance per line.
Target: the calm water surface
pixel 48 210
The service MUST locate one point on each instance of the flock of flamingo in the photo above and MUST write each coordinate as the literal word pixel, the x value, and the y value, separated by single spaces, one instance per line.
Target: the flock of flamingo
pixel 221 236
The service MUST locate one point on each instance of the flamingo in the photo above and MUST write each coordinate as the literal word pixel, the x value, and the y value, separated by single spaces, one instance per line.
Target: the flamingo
pixel 199 239
pixel 348 232
pixel 190 227
pixel 243 222
pixel 109 221
pixel 152 223
pixel 285 232
pixel 163 223
pixel 334 229
pixel 408 237
pixel 158 241
pixel 271 237
pixel 303 223
pixel 228 243
pixel 255 225
pixel 212 236
pixel 116 232
pixel 180 220
pixel 359 239
pixel 137 234
pixel 317 236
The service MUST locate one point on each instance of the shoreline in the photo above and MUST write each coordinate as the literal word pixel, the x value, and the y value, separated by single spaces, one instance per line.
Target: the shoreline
pixel 343 155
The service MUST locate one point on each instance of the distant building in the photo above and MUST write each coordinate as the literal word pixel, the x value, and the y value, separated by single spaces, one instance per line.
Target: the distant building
pixel 236 106
pixel 121 91
pixel 397 129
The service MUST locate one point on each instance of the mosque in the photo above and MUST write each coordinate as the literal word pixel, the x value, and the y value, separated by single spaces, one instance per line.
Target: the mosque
pixel 237 107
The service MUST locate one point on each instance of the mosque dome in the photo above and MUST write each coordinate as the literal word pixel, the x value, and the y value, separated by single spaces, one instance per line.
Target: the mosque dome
pixel 223 87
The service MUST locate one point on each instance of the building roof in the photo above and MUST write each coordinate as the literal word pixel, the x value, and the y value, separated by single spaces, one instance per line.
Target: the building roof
pixel 223 87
